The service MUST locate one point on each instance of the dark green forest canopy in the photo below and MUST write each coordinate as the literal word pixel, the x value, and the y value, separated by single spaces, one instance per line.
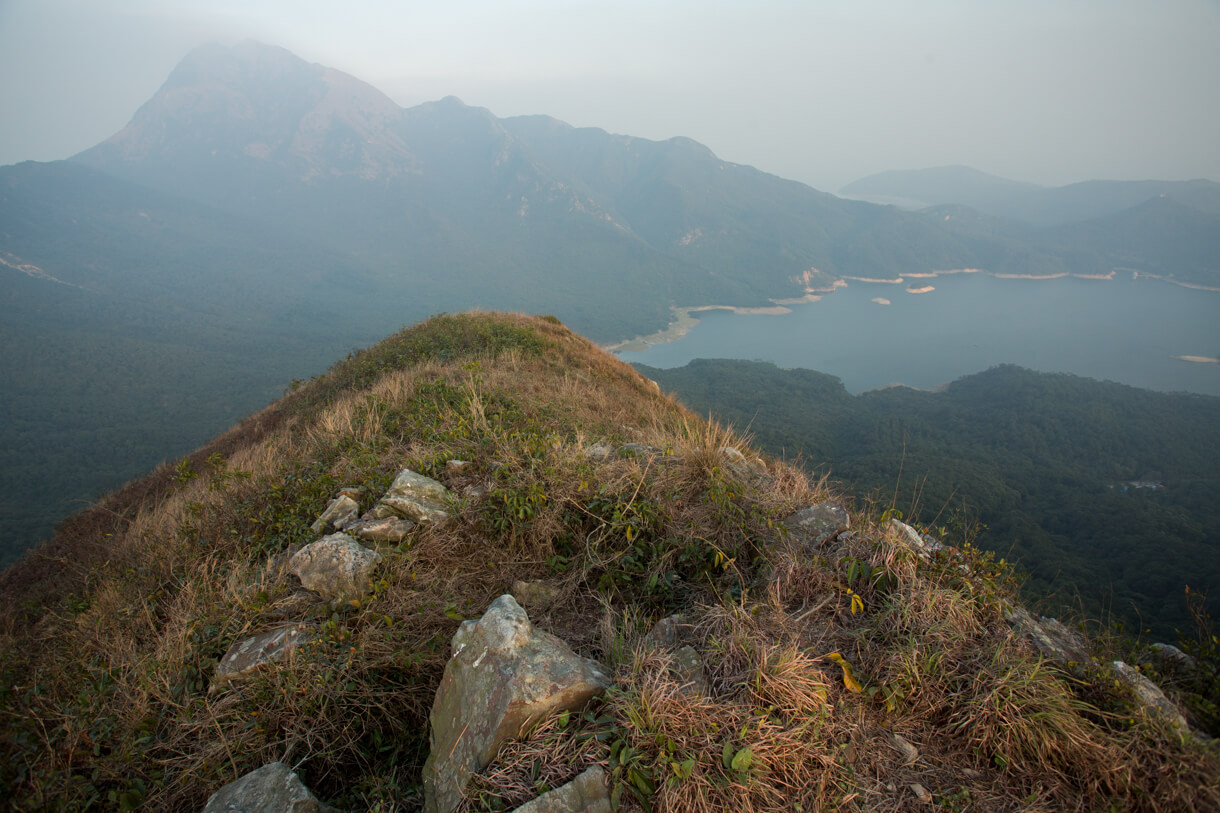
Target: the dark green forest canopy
pixel 1105 494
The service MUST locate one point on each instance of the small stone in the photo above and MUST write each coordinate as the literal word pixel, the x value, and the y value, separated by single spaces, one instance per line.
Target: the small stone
pixel 587 793
pixel 339 511
pixel 291 606
pixel 971 773
pixel 272 788
pixel 392 530
pixel 598 451
pixel 688 669
pixel 921 793
pixel 1170 656
pixel 817 524
pixel 664 634
pixel 251 653
pixel 639 450
pixel 534 595
pixel 909 751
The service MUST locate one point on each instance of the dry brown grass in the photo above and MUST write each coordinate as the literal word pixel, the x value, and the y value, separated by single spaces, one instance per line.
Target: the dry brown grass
pixel 108 636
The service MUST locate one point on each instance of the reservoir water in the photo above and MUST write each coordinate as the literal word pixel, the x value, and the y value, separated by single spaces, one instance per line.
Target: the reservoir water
pixel 1125 330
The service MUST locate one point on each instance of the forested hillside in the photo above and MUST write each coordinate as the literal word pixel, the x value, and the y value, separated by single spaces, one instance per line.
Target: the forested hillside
pixel 1105 494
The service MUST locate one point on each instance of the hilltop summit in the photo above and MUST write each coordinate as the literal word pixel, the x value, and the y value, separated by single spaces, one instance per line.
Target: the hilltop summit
pixel 296 603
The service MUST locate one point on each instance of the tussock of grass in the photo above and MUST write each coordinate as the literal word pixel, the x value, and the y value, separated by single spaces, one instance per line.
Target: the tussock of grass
pixel 109 635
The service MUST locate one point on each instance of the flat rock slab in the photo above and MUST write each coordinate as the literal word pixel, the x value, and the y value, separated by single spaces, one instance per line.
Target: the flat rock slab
pixel 415 497
pixel 503 677
pixel 1050 637
pixel 587 793
pixel 336 566
pixel 249 654
pixel 1150 698
pixel 391 530
pixel 816 524
pixel 272 788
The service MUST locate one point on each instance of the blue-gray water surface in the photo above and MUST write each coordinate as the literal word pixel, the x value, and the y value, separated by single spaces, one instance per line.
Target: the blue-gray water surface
pixel 1120 330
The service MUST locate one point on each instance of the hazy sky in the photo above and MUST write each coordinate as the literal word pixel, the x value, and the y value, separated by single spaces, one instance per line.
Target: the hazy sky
pixel 822 91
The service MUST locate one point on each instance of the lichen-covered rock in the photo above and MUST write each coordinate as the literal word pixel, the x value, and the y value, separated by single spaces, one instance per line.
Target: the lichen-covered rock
pixel 335 566
pixel 339 513
pixel 414 496
pixel 1150 697
pixel 270 789
pixel 598 451
pixel 816 524
pixel 391 530
pixel 1050 637
pixel 904 533
pixel 502 678
pixel 1170 657
pixel 534 595
pixel 640 450
pixel 587 793
pixel 251 653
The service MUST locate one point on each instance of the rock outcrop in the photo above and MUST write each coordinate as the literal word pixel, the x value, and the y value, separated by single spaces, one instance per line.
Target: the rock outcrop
pixel 415 497
pixel 502 678
pixel 817 524
pixel 273 788
pixel 335 567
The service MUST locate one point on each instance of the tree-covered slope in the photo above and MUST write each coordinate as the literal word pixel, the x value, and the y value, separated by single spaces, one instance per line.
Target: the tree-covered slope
pixel 1046 462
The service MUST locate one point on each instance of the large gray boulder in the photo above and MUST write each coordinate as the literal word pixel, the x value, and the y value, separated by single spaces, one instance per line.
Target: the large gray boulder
pixel 587 793
pixel 414 496
pixel 503 677
pixel 336 566
pixel 249 654
pixel 816 524
pixel 270 789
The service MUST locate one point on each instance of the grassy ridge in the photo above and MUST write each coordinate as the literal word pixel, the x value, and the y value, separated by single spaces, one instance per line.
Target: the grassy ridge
pixel 109 634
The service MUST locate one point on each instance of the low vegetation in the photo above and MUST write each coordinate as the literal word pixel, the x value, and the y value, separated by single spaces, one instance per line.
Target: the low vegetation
pixel 856 675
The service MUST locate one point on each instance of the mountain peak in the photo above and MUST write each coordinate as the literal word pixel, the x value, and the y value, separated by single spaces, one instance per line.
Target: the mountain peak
pixel 262 103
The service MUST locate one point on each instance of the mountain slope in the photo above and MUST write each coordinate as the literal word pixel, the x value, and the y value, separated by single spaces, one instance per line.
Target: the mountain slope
pixel 1043 461
pixel 839 672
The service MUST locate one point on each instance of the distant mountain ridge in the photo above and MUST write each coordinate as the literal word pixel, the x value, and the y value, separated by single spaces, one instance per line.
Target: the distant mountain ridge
pixel 261 215
pixel 1037 205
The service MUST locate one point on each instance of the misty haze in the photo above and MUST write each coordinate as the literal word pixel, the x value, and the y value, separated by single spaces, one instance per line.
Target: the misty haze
pixel 837 387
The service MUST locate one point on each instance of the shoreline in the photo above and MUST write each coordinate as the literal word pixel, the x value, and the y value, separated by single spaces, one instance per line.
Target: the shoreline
pixel 684 320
